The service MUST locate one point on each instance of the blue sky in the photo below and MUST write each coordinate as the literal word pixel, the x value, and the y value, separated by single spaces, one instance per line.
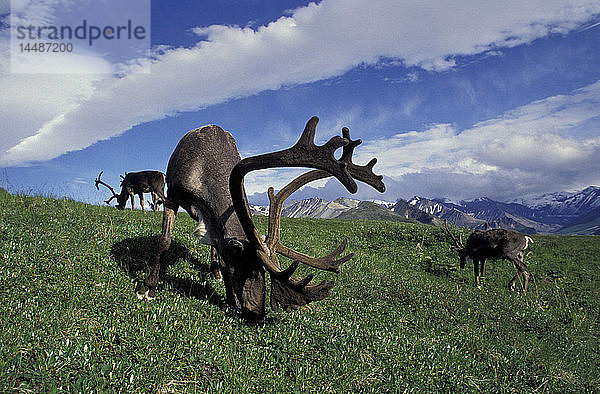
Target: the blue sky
pixel 455 99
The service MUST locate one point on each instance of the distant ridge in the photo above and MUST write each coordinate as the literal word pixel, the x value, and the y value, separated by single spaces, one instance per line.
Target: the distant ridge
pixel 562 212
pixel 342 208
pixel 372 211
pixel 408 211
pixel 319 208
pixel 446 211
pixel 588 224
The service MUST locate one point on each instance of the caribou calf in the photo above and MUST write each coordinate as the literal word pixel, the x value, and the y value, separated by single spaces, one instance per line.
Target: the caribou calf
pixel 494 244
pixel 133 183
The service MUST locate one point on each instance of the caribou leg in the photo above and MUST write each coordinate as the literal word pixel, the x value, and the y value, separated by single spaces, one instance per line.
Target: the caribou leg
pixel 219 271
pixel 521 267
pixel 482 268
pixel 141 196
pixel 131 195
pixel 526 276
pixel 215 265
pixel 476 271
pixel 148 288
pixel 154 198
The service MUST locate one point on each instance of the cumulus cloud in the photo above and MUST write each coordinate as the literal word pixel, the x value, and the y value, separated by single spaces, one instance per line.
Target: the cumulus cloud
pixel 29 101
pixel 551 144
pixel 315 42
pixel 554 141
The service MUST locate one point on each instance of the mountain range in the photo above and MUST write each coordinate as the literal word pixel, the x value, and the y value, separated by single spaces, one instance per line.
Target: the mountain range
pixel 562 212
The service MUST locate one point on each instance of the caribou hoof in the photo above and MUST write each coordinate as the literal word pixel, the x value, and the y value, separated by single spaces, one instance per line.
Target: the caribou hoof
pixel 144 293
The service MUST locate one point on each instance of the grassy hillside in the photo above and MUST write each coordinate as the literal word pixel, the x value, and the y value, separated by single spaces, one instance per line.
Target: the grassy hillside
pixel 401 317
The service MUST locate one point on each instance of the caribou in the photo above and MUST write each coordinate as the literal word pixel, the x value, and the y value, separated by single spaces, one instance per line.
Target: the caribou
pixel 205 176
pixel 493 244
pixel 133 183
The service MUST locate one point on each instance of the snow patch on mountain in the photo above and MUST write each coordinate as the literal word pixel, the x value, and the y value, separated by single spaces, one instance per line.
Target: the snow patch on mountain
pixel 319 208
pixel 571 203
pixel 545 213
pixel 385 204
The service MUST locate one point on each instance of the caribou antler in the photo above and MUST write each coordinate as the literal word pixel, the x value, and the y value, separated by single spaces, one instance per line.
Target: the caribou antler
pixel 362 173
pixel 288 291
pixel 99 182
pixel 273 242
pixel 457 244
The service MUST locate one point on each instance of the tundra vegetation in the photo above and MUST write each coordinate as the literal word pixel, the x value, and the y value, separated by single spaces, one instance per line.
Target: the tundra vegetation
pixel 400 317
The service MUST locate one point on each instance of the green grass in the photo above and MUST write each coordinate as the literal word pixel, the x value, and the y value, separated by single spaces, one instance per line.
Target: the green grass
pixel 401 316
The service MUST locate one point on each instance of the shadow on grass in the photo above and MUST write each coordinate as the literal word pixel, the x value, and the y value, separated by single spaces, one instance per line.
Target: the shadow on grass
pixel 135 255
pixel 439 268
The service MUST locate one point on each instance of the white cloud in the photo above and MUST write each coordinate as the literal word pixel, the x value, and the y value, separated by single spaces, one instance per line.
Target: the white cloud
pixel 260 181
pixel 315 42
pixel 28 101
pixel 31 100
pixel 551 142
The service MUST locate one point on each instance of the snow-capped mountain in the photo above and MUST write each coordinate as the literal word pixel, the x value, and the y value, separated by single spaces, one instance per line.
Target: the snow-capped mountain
pixel 259 210
pixel 477 212
pixel 432 207
pixel 319 208
pixel 385 204
pixel 563 207
pixel 490 210
pixel 545 213
pixel 509 215
pixel 541 200
pixel 448 211
pixel 409 211
pixel 565 204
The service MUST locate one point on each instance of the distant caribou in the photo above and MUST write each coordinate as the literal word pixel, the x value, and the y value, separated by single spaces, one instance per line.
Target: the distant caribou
pixel 133 183
pixel 494 244
pixel 205 176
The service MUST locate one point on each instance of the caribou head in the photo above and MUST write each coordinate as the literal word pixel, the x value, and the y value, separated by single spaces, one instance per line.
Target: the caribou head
pixel 205 176
pixel 121 198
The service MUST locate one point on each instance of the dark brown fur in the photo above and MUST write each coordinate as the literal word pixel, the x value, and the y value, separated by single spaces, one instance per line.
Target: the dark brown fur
pixel 138 183
pixel 205 177
pixel 495 244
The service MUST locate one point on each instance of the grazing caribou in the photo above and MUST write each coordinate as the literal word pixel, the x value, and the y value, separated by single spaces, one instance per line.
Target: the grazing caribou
pixel 133 183
pixel 494 244
pixel 205 176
